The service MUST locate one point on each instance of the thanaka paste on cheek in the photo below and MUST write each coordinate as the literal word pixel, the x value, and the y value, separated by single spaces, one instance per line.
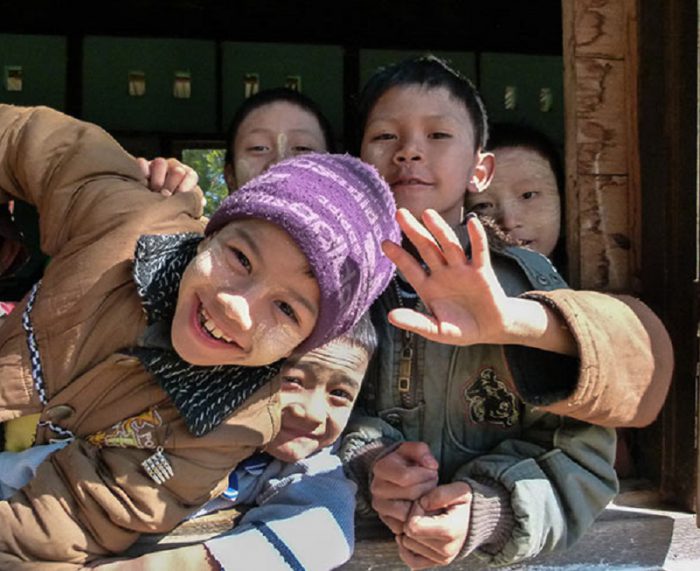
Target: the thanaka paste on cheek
pixel 243 172
pixel 206 263
pixel 375 156
pixel 282 338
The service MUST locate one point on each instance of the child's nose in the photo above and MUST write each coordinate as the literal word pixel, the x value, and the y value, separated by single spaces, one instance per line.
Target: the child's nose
pixel 308 411
pixel 508 217
pixel 409 151
pixel 236 308
pixel 316 408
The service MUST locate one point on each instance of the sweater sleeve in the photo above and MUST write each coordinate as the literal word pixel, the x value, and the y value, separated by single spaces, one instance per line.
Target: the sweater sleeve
pixel 625 361
pixel 541 492
pixel 366 440
pixel 303 520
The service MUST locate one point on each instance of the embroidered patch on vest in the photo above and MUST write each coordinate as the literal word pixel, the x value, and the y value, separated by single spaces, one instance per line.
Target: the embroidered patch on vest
pixel 134 432
pixel 489 400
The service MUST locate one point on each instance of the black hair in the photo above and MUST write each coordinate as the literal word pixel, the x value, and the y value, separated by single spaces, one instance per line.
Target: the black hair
pixel 528 137
pixel 268 96
pixel 426 71
pixel 362 335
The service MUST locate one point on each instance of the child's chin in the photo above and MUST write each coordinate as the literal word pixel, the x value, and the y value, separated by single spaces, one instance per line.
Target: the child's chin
pixel 291 453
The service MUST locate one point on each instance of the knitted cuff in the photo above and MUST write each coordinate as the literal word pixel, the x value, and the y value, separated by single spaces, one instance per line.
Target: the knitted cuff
pixel 358 467
pixel 491 521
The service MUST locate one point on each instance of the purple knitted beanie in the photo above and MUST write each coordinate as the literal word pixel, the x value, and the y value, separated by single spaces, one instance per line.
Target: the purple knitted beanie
pixel 338 210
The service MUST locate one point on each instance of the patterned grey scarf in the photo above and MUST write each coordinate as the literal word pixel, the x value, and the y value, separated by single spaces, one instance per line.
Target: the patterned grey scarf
pixel 205 396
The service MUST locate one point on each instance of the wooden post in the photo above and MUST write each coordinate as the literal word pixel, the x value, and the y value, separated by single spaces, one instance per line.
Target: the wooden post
pixel 602 160
pixel 630 91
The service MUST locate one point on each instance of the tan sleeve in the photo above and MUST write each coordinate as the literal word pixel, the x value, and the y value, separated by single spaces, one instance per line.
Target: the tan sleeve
pixel 626 358
pixel 186 558
pixel 12 563
pixel 78 177
pixel 85 502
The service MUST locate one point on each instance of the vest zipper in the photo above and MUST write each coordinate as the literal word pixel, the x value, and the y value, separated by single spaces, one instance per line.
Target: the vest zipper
pixel 406 384
pixel 406 369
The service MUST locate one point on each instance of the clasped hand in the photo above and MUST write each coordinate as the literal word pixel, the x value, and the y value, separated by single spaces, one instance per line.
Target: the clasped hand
pixel 430 521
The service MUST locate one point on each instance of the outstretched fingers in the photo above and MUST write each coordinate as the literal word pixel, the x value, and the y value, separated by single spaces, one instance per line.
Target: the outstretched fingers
pixel 479 242
pixel 462 295
pixel 445 237
pixel 406 264
pixel 427 247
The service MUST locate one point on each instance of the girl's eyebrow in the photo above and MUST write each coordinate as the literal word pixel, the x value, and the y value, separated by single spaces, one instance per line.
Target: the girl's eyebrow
pixel 248 239
pixel 312 308
pixel 265 130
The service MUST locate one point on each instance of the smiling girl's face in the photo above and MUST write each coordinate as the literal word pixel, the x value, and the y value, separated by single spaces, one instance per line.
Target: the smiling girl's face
pixel 247 298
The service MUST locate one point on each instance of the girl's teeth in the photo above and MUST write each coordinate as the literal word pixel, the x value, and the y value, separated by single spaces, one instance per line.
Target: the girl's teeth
pixel 212 329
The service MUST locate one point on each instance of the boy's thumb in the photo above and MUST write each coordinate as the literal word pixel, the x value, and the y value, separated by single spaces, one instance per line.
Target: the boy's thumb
pixel 444 496
pixel 418 453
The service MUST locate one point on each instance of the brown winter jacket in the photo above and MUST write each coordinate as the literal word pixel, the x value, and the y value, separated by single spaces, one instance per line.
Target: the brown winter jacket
pixel 86 501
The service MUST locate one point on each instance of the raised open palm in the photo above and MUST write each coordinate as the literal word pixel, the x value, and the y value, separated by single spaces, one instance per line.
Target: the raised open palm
pixel 466 303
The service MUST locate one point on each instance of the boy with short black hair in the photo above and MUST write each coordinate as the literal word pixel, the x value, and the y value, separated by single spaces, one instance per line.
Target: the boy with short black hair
pixel 489 471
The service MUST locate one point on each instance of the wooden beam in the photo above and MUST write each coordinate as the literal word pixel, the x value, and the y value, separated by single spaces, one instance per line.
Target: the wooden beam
pixel 602 161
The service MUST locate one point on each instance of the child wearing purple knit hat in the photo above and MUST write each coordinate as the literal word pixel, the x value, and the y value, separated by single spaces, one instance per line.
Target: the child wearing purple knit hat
pixel 330 205
pixel 151 348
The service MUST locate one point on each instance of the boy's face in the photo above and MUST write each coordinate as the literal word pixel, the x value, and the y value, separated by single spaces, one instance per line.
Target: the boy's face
pixel 422 142
pixel 247 298
pixel 269 134
pixel 317 395
pixel 522 198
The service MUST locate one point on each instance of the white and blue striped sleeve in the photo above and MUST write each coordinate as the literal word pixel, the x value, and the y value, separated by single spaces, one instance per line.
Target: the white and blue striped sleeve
pixel 303 521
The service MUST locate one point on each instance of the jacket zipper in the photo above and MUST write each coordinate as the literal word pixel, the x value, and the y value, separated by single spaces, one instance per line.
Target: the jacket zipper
pixel 406 384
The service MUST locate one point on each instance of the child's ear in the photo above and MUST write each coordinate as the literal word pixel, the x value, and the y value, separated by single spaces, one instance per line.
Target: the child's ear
pixel 230 177
pixel 482 173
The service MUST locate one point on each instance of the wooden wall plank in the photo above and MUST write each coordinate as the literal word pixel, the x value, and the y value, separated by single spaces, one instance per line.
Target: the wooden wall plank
pixel 605 243
pixel 602 196
pixel 598 26
pixel 601 135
